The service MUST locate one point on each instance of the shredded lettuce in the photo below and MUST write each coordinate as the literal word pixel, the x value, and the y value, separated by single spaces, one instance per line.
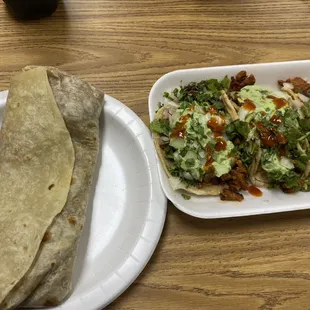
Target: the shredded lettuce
pixel 160 126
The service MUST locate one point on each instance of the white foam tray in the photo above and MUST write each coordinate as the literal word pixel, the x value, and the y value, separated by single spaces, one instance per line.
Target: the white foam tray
pixel 272 201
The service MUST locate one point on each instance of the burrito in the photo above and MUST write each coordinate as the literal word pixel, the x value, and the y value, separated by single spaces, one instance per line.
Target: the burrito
pixel 48 150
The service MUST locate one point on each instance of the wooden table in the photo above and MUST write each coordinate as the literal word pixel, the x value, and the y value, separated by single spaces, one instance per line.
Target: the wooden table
pixel 124 46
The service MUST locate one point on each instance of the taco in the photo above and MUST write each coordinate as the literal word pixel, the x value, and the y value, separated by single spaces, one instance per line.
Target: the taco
pixel 176 182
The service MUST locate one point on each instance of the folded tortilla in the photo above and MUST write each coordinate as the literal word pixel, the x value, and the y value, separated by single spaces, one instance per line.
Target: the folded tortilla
pixel 36 164
pixel 48 281
pixel 207 189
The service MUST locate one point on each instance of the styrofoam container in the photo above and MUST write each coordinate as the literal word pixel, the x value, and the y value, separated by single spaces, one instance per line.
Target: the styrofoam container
pixel 272 201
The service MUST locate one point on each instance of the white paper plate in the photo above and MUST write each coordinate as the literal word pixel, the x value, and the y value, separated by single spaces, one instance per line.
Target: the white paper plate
pixel 127 213
pixel 212 207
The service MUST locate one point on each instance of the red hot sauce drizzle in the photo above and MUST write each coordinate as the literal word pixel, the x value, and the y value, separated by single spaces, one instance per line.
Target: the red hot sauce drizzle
pixel 213 110
pixel 215 125
pixel 209 160
pixel 179 131
pixel 254 191
pixel 269 136
pixel 276 120
pixel 278 102
pixel 220 145
pixel 249 105
pixel 217 134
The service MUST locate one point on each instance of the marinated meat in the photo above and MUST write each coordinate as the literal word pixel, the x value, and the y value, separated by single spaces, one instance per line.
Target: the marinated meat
pixel 237 180
pixel 215 181
pixel 230 195
pixel 270 136
pixel 241 80
pixel 300 85
pixel 288 190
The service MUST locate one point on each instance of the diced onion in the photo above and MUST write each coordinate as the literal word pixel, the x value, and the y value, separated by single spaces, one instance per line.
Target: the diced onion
pixel 284 161
pixel 172 104
pixel 187 176
pixel 303 98
pixel 175 183
pixel 288 86
pixel 218 119
pixel 297 104
pixel 202 154
pixel 242 114
pixel 164 139
pixel 208 117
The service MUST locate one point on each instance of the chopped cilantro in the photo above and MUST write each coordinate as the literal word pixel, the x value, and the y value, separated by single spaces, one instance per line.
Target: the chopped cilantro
pixel 244 153
pixel 186 197
pixel 169 150
pixel 292 129
pixel 203 93
pixel 167 95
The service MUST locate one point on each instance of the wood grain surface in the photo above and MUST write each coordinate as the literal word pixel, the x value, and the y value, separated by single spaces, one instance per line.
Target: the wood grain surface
pixel 124 46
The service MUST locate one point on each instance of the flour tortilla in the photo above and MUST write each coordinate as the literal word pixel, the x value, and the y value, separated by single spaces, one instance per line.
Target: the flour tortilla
pixel 36 164
pixel 207 189
pixel 48 282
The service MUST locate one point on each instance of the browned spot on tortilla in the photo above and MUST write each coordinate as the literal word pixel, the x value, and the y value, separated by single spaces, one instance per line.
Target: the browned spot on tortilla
pixel 47 237
pixel 76 200
pixel 25 225
pixel 53 301
pixel 25 248
pixel 72 220
pixel 51 186
pixel 27 157
pixel 52 265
